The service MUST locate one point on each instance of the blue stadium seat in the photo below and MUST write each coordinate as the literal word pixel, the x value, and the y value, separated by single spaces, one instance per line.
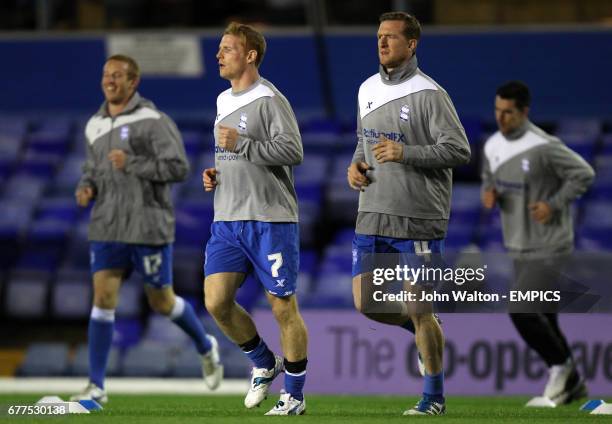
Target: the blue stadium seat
pixel 582 144
pixel 235 363
pixel 26 294
pixel 128 332
pixel 146 360
pixel 308 261
pixel 15 217
pixel 49 141
pixel 40 165
pixel 309 192
pixel 68 176
pixel 193 220
pixel 319 142
pixel 71 299
pixel 187 363
pixel 193 142
pixel 163 331
pixel 606 144
pixel 188 269
pixel 312 170
pixel 62 208
pixel 45 359
pixel 80 363
pixel 10 149
pixel 459 235
pixel 597 214
pixel 16 126
pixel 40 257
pixel 590 127
pixel 49 231
pixel 309 212
pixel 130 297
pixel 24 187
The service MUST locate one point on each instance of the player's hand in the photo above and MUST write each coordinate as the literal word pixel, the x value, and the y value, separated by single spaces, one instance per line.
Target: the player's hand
pixel 388 150
pixel 118 158
pixel 489 198
pixel 541 212
pixel 356 175
pixel 209 178
pixel 84 196
pixel 227 138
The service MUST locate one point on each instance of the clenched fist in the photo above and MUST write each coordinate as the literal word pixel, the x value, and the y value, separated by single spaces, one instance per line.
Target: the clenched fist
pixel 227 138
pixel 84 196
pixel 209 178
pixel 118 158
pixel 356 175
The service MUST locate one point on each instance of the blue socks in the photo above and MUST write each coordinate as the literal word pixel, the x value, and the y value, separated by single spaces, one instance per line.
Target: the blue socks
pixel 100 339
pixel 295 377
pixel 184 316
pixel 434 387
pixel 259 353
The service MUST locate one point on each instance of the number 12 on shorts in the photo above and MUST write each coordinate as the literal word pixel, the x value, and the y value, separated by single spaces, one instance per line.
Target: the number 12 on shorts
pixel 278 262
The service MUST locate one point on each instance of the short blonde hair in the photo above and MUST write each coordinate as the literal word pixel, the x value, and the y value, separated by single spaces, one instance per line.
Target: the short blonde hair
pixel 133 71
pixel 252 39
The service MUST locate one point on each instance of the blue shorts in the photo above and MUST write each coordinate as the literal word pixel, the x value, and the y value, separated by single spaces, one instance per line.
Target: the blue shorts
pixel 269 249
pixel 154 263
pixel 413 253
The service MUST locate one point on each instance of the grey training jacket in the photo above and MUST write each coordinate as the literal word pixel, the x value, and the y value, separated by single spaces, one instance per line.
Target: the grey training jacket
pixel 529 166
pixel 255 182
pixel 408 107
pixel 133 205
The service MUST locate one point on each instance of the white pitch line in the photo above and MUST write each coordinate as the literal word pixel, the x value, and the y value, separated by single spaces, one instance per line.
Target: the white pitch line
pixel 122 385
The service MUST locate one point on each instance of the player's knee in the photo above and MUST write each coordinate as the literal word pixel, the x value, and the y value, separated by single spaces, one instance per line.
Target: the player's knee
pixel 105 300
pixel 284 310
pixel 161 305
pixel 219 308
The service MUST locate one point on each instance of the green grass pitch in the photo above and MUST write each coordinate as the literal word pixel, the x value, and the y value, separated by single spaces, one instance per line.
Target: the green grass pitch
pixel 150 409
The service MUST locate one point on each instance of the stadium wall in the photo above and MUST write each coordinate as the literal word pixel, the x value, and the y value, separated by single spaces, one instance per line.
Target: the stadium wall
pixel 567 70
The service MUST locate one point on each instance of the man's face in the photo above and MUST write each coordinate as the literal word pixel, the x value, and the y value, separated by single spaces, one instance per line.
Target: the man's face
pixel 232 57
pixel 393 47
pixel 116 85
pixel 508 116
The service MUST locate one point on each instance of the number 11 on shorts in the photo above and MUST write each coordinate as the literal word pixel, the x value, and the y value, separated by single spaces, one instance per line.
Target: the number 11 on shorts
pixel 278 262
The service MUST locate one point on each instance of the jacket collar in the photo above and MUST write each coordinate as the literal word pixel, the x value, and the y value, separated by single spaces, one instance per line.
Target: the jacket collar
pixel 399 74
pixel 133 104
pixel 519 131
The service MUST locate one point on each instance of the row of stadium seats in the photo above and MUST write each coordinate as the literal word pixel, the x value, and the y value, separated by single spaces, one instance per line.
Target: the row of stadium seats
pixel 43 233
pixel 159 349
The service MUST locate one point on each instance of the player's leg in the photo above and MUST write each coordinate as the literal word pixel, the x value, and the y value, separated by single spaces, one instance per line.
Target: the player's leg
pixel 109 263
pixel 294 342
pixel 220 300
pixel 154 263
pixel 541 331
pixel 219 295
pixel 273 249
pixel 395 313
pixel 164 301
pixel 430 343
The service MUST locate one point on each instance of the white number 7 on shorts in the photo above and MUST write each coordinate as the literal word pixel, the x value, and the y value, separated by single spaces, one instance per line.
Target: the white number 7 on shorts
pixel 278 262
